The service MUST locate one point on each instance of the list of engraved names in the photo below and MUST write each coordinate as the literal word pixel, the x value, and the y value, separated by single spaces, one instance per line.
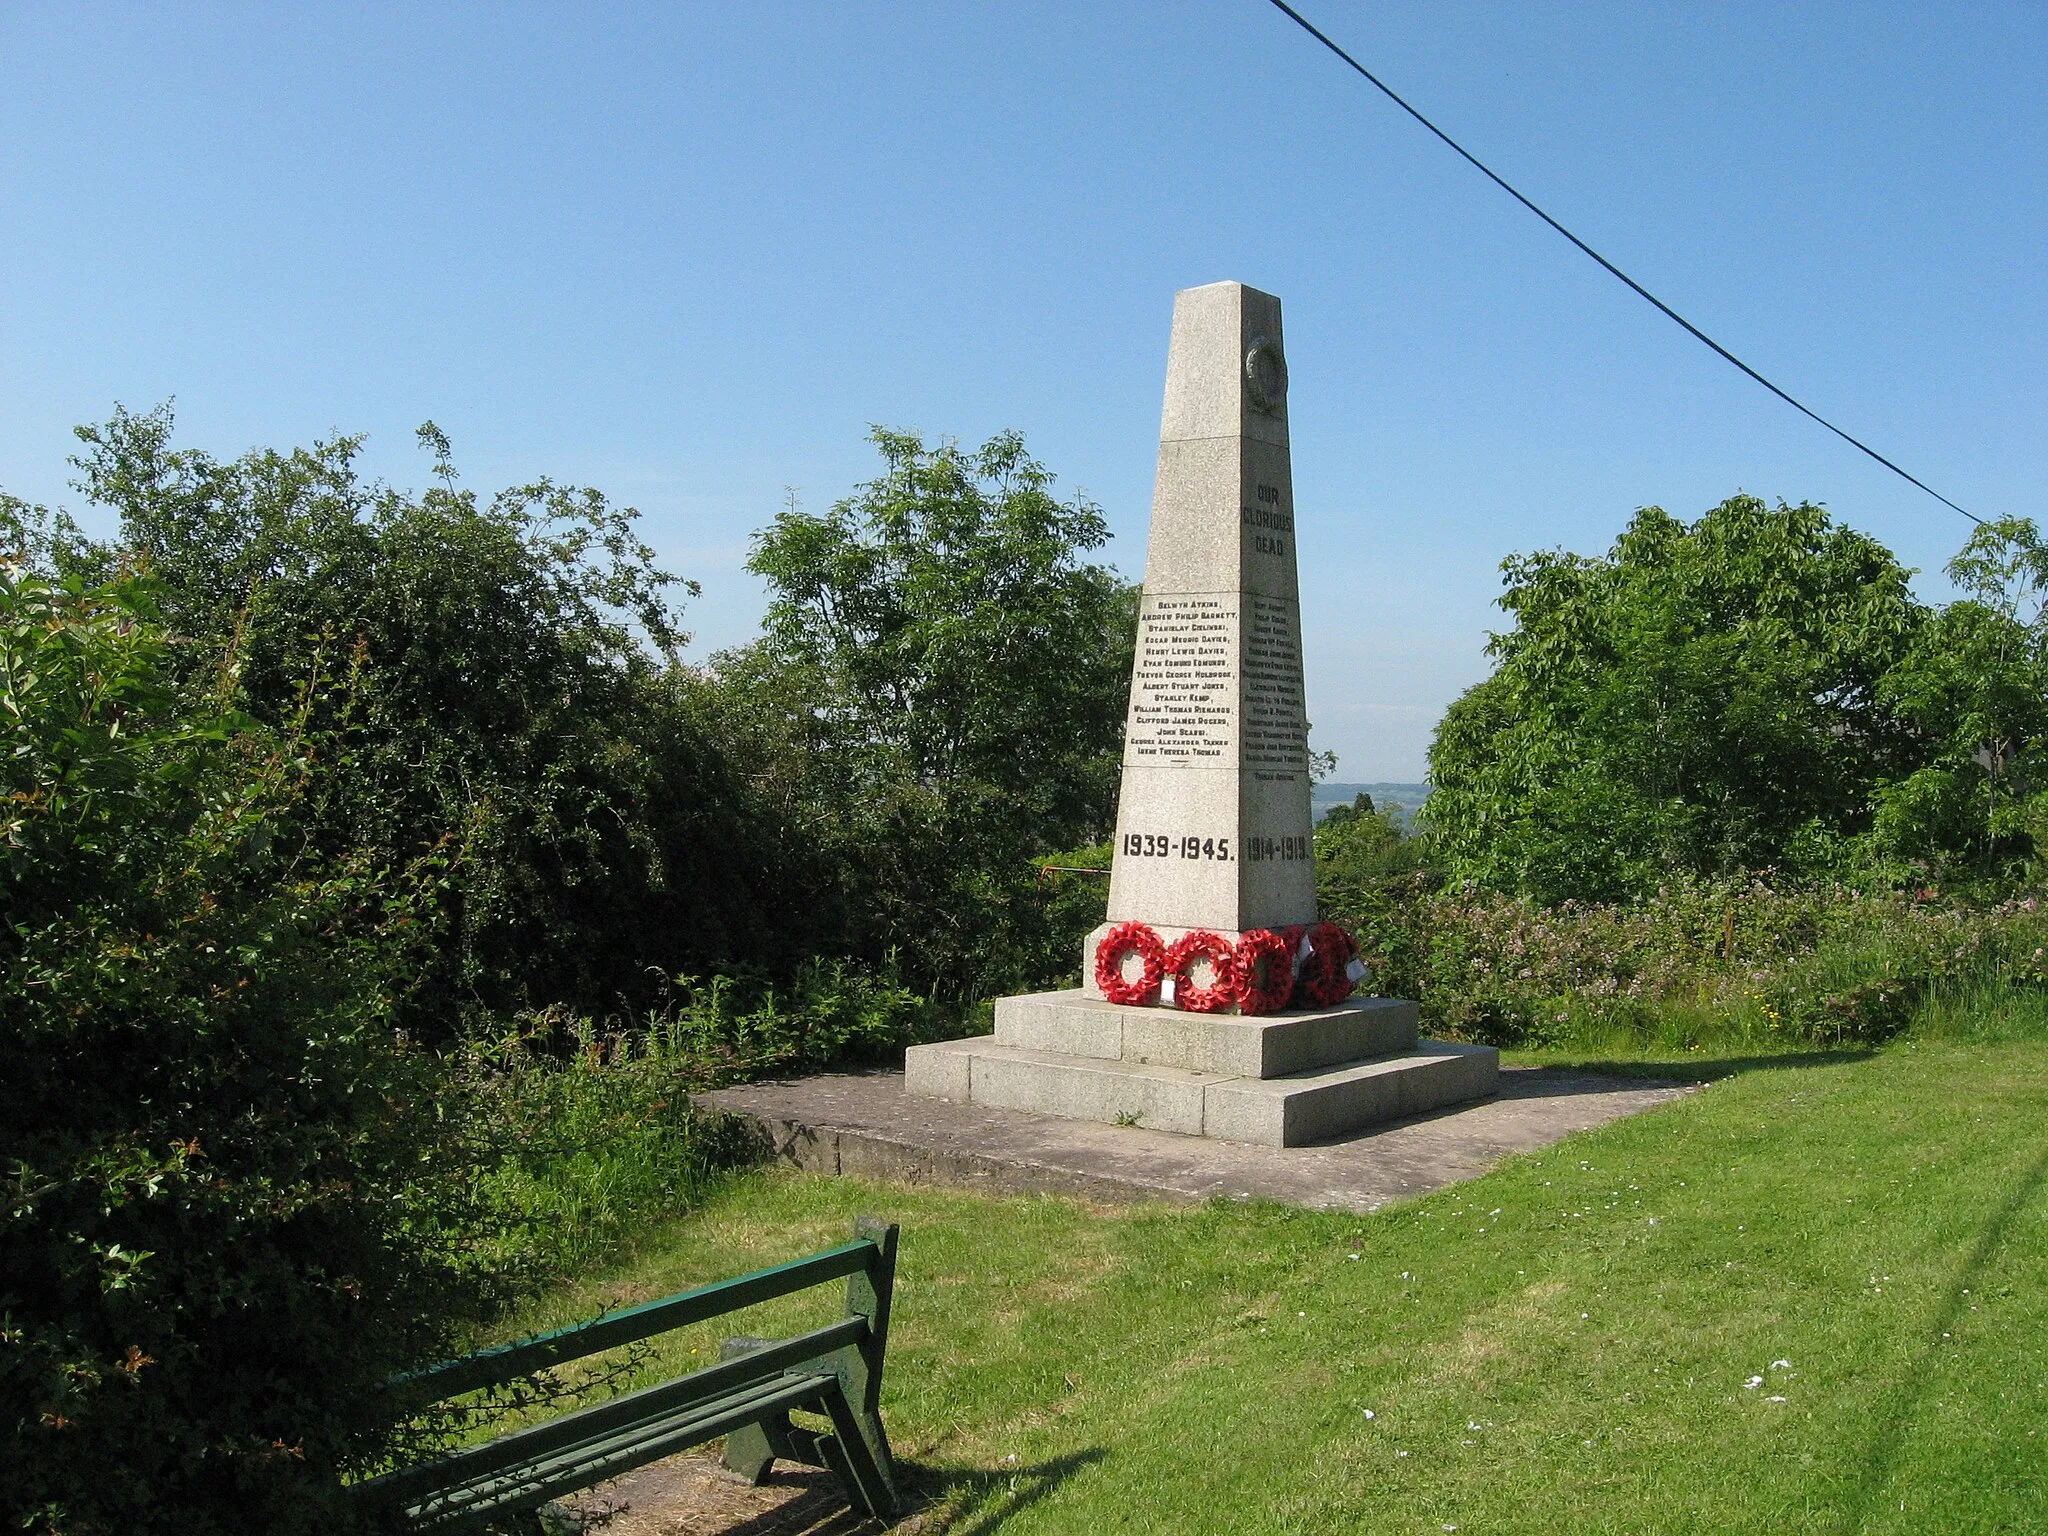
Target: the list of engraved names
pixel 1184 687
pixel 1275 716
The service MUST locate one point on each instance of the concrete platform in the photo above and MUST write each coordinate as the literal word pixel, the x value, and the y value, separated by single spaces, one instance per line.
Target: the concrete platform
pixel 864 1124
pixel 1305 1107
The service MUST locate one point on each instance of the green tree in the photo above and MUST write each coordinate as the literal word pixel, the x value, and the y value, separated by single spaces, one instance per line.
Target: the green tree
pixel 226 1214
pixel 1361 849
pixel 518 701
pixel 1976 687
pixel 1706 697
pixel 952 672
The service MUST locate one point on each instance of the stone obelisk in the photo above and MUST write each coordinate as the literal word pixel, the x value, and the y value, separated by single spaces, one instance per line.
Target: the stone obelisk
pixel 1213 826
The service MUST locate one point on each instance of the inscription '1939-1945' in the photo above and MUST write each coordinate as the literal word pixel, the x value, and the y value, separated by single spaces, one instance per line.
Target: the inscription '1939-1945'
pixel 1153 845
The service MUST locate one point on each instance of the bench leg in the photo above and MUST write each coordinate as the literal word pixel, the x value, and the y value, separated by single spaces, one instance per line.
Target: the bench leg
pixel 868 1477
pixel 754 1450
pixel 751 1452
pixel 857 1453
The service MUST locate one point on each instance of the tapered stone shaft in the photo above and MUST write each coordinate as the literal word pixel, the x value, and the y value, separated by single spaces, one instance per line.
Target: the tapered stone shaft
pixel 1213 826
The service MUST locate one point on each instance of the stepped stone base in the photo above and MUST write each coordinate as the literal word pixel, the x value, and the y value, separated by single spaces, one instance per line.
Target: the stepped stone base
pixel 1076 1024
pixel 1277 1081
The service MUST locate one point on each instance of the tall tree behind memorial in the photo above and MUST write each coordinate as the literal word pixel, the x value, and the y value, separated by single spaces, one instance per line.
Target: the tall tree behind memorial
pixel 953 671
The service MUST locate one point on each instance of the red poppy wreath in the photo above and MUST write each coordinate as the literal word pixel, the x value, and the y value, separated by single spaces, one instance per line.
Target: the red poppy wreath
pixel 1121 942
pixel 1325 978
pixel 1188 951
pixel 1265 971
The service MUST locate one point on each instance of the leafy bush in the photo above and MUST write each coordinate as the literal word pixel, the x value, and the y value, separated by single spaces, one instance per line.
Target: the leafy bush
pixel 515 699
pixel 294 818
pixel 1359 845
pixel 1753 958
pixel 1689 703
pixel 947 677
pixel 580 1132
pixel 1755 689
pixel 224 1224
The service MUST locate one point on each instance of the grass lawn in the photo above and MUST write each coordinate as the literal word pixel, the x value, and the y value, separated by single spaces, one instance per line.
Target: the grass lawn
pixel 1813 1297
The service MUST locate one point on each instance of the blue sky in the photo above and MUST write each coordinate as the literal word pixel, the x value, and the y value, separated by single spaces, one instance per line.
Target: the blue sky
pixel 688 253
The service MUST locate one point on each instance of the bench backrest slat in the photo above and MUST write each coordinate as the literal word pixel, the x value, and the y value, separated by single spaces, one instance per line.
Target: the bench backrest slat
pixel 508 1362
pixel 524 1447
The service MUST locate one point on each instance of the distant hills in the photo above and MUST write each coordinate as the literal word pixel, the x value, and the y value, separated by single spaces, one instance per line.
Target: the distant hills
pixel 1408 797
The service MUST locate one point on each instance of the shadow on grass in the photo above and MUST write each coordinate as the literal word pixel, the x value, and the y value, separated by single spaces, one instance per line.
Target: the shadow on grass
pixel 976 1501
pixel 1897 1419
pixel 1710 1069
pixel 809 1501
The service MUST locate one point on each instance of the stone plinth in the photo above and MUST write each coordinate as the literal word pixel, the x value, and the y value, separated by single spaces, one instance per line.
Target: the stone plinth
pixel 1277 1081
pixel 1080 1025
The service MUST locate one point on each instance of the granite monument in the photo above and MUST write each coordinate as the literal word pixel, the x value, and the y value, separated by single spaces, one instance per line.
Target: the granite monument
pixel 1213 1002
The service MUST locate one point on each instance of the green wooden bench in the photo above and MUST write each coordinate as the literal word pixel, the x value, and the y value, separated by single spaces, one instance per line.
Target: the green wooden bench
pixel 746 1397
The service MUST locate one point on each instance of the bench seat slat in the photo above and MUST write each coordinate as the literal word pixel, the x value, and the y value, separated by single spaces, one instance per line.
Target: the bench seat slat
pixel 600 1458
pixel 508 1362
pixel 541 1440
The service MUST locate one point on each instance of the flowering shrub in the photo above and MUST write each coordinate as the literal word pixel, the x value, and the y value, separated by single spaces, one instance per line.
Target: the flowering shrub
pixel 1814 963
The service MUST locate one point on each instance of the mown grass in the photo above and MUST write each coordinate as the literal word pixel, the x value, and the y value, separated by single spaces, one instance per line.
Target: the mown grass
pixel 1568 1344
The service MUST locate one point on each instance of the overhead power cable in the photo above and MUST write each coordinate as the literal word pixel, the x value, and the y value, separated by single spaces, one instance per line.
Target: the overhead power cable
pixel 1388 91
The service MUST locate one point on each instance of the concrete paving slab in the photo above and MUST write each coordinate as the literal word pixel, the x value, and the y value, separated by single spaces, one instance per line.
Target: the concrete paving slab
pixel 865 1124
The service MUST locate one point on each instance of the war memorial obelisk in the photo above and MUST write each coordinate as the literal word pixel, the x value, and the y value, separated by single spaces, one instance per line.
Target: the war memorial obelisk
pixel 1213 1003
pixel 1213 825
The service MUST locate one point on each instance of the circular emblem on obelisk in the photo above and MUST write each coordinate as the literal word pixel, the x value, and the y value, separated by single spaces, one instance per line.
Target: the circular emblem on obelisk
pixel 1265 375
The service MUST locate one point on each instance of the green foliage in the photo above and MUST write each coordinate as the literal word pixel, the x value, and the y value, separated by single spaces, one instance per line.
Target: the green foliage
pixel 222 1224
pixel 515 701
pixel 349 774
pixel 1358 846
pixel 1706 698
pixel 578 1133
pixel 574 1147
pixel 1975 687
pixel 1768 966
pixel 238 1199
pixel 949 677
pixel 1074 904
pixel 936 703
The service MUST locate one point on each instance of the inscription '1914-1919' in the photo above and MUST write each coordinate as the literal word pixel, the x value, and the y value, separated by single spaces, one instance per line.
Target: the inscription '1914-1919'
pixel 1261 849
